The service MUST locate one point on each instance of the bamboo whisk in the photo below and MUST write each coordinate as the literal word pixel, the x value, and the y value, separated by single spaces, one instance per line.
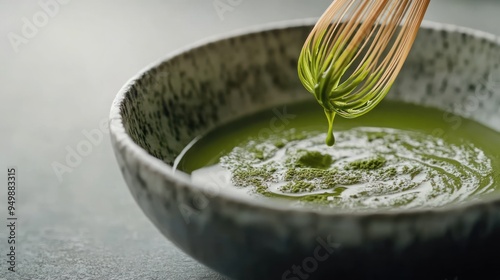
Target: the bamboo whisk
pixel 355 51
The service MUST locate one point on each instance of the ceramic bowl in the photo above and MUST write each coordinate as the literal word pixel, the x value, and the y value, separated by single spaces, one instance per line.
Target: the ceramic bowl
pixel 158 112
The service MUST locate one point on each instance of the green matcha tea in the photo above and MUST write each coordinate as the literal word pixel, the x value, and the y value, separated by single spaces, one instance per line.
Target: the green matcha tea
pixel 397 156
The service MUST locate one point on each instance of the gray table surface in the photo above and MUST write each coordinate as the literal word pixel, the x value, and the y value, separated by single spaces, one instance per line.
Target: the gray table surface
pixel 61 81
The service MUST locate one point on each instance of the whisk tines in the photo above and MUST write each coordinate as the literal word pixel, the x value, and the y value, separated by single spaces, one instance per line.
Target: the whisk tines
pixel 354 53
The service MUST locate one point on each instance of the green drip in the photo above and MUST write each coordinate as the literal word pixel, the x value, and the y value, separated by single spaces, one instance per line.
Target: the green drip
pixel 330 138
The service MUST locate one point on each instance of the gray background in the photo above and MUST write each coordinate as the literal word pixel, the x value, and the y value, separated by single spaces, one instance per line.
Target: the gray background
pixel 62 82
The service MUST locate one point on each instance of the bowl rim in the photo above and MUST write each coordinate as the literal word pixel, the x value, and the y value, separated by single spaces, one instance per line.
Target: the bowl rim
pixel 166 172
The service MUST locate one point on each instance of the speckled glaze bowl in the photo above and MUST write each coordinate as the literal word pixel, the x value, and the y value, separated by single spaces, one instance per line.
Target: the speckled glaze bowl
pixel 189 92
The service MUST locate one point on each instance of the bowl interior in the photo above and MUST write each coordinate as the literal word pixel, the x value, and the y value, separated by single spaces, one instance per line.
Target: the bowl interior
pixel 193 91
